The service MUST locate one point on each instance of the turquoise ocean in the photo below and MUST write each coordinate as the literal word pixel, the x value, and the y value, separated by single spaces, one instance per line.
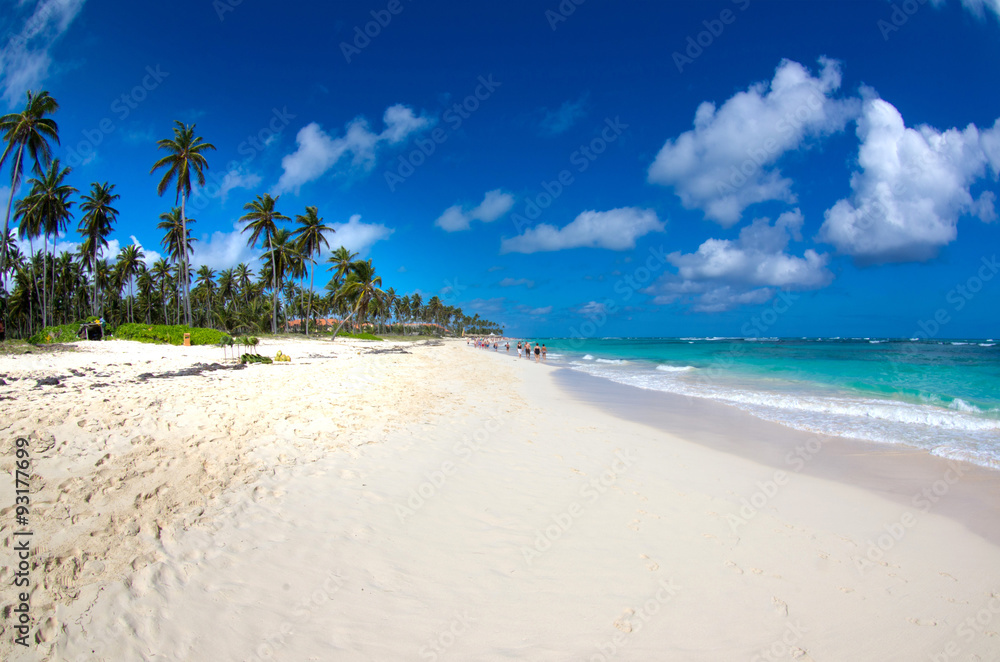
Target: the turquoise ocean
pixel 939 395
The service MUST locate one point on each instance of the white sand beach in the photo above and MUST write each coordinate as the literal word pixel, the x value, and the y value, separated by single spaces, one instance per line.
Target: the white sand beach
pixel 440 502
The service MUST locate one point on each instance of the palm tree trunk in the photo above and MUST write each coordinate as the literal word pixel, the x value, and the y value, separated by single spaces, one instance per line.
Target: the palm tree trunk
pixel 312 280
pixel 6 220
pixel 185 284
pixel 274 287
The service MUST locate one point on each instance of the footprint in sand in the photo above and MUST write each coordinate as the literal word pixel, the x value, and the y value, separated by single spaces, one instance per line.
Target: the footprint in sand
pixel 730 564
pixel 929 622
pixel 780 606
pixel 623 624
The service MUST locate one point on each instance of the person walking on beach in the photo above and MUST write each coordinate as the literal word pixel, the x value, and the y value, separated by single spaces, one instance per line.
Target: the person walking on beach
pixel 508 347
pixel 537 352
pixel 543 351
pixel 518 349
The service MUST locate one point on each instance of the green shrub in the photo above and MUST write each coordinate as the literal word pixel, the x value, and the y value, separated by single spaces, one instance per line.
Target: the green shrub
pixel 168 334
pixel 254 358
pixel 359 336
pixel 54 334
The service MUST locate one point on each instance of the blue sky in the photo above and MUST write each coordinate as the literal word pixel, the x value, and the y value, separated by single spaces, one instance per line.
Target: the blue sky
pixel 674 168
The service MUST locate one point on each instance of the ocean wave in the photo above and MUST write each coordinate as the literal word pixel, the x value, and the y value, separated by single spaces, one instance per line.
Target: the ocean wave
pixel 959 404
pixel 675 368
pixel 588 357
pixel 613 361
pixel 987 344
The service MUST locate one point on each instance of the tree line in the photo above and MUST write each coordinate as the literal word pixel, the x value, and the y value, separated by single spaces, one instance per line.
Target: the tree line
pixel 41 289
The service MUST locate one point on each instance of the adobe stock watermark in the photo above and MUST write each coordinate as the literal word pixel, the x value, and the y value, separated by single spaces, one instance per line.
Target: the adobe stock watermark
pixel 122 107
pixel 766 490
pixel 923 501
pixel 563 521
pixel 462 451
pixel 898 17
pixel 363 35
pixel 969 629
pixel 33 26
pixel 301 614
pixel 783 647
pixel 218 183
pixel 625 287
pixel 761 155
pixel 580 159
pixel 223 7
pixel 958 297
pixel 754 329
pixel 634 620
pixel 696 45
pixel 447 637
pixel 455 116
pixel 562 12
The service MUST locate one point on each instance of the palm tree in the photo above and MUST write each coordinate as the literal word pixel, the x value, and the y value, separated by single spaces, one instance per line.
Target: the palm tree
pixel 283 259
pixel 260 218
pixel 161 274
pixel 185 157
pixel 206 279
pixel 129 265
pixel 28 130
pixel 342 259
pixel 361 286
pixel 47 209
pixel 96 225
pixel 244 278
pixel 311 240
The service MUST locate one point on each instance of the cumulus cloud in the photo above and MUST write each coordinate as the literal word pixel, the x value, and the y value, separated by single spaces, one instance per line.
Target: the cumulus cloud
pixel 544 310
pixel 728 161
pixel 912 187
pixel 495 204
pixel 24 59
pixel 616 229
pixel 725 273
pixel 357 236
pixel 318 152
pixel 562 118
pixel 223 250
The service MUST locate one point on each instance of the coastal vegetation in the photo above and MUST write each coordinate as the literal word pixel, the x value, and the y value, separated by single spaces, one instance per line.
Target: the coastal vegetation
pixel 42 290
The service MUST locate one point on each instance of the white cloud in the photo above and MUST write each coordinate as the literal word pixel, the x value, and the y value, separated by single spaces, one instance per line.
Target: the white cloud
pixel 616 230
pixel 149 256
pixel 724 273
pixel 515 282
pixel 453 219
pixel 978 7
pixel 592 308
pixel 912 186
pixel 357 236
pixel 545 310
pixel 222 250
pixel 727 162
pixel 318 152
pixel 495 204
pixel 563 118
pixel 235 179
pixel 25 58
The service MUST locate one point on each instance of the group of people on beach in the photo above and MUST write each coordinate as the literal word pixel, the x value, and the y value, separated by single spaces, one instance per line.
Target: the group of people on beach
pixel 524 348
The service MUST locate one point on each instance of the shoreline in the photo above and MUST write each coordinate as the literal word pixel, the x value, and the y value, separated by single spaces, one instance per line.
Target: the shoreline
pixel 907 475
pixel 432 503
